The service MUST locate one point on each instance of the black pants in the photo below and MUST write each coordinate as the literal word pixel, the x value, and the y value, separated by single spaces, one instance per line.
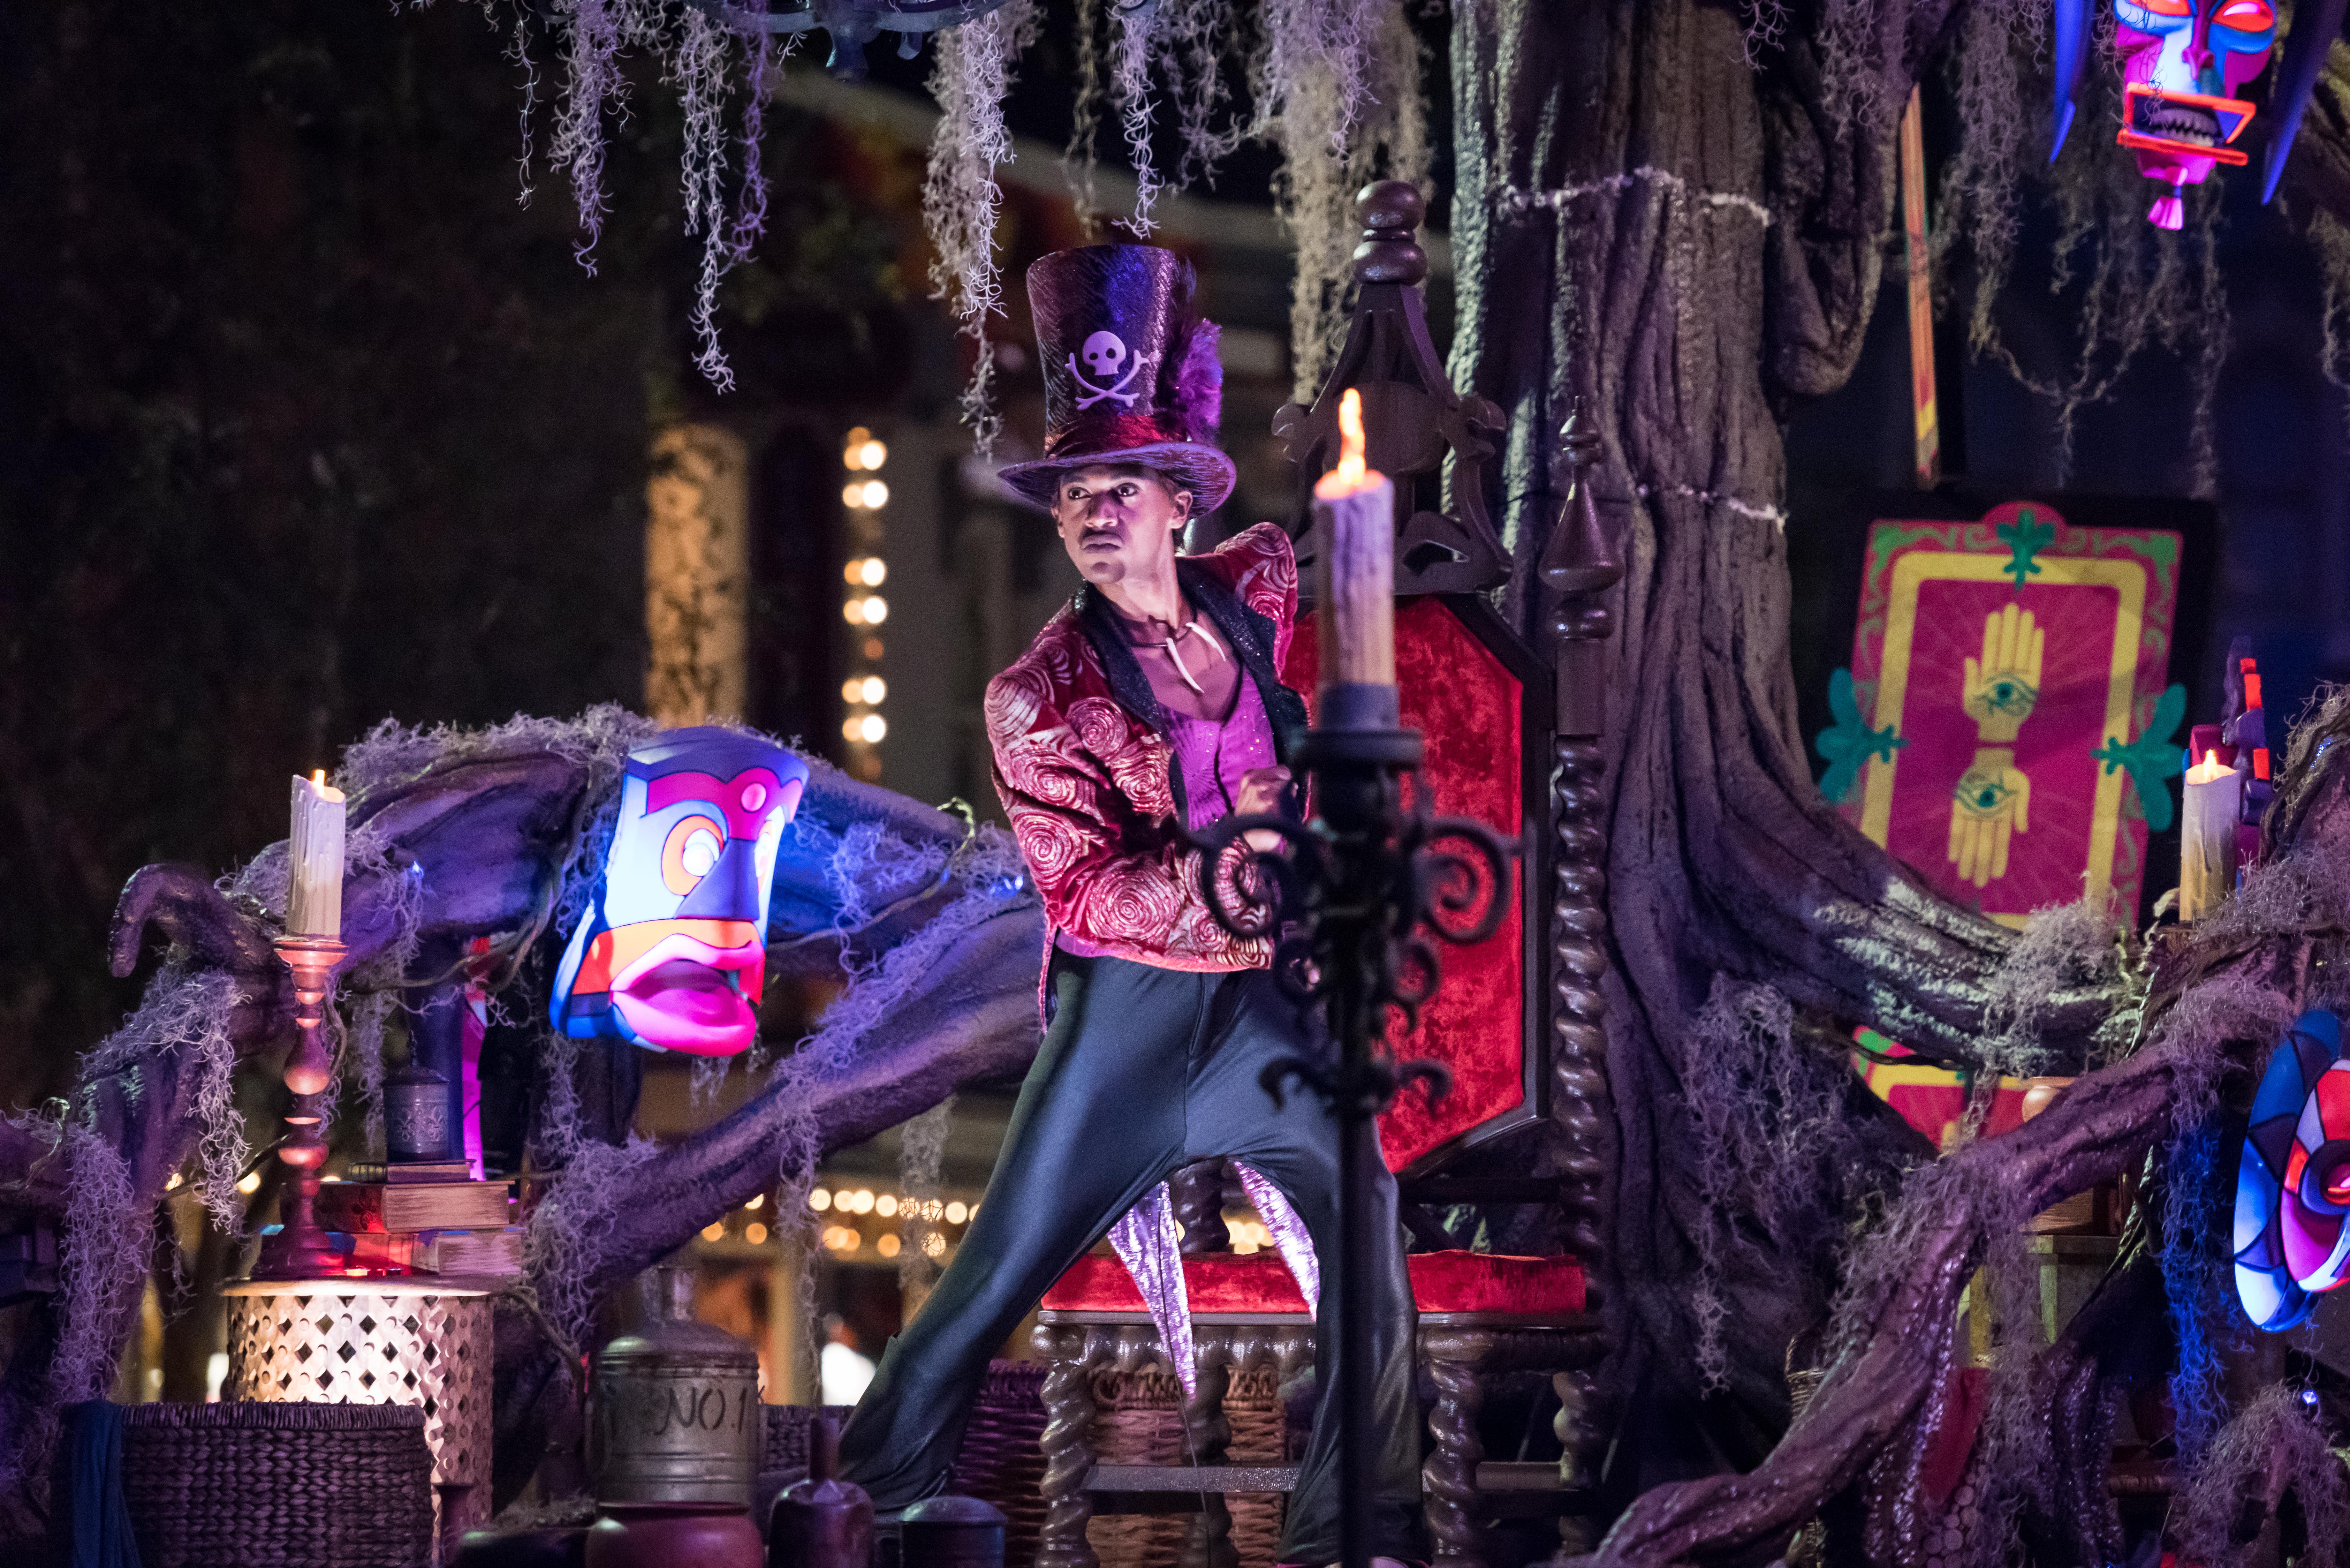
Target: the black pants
pixel 1143 1071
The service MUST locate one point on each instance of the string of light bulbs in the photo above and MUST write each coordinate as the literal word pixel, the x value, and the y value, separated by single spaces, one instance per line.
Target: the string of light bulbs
pixel 862 607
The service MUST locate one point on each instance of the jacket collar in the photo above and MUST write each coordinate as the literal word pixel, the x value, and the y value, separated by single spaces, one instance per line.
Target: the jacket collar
pixel 1248 632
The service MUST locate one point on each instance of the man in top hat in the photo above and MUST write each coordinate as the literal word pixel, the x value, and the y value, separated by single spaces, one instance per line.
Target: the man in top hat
pixel 1152 702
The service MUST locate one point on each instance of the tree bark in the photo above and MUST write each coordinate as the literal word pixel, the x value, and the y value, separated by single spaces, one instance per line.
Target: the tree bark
pixel 1706 246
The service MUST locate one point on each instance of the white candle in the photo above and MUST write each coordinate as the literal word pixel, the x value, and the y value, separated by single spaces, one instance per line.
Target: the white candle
pixel 1354 512
pixel 314 854
pixel 2207 837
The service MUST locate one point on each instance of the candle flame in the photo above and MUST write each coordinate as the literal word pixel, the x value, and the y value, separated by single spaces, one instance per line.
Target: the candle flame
pixel 1351 476
pixel 2211 759
pixel 1350 437
pixel 318 776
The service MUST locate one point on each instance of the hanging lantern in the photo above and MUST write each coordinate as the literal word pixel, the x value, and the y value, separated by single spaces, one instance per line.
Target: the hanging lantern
pixel 851 24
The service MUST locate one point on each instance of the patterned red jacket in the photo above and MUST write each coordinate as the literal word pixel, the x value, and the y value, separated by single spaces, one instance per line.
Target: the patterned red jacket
pixel 1084 764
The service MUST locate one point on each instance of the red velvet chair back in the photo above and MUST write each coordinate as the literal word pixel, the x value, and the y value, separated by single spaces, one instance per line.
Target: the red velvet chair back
pixel 1481 703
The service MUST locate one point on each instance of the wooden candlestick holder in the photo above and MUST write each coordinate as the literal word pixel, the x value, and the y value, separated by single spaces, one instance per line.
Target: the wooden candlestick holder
pixel 299 1249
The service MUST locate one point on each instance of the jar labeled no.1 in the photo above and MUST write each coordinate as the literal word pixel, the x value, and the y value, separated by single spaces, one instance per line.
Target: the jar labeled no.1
pixel 676 1407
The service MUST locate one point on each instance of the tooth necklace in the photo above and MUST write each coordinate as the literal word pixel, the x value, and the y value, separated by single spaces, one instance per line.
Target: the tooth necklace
pixel 1174 655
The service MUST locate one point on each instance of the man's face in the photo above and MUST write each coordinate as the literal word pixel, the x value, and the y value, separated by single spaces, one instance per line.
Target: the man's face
pixel 1118 521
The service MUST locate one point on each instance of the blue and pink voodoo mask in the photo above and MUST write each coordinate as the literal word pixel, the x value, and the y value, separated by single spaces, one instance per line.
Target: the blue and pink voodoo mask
pixel 2186 65
pixel 673 955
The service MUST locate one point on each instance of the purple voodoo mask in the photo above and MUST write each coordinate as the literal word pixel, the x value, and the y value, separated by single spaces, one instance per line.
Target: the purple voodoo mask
pixel 673 955
pixel 2185 63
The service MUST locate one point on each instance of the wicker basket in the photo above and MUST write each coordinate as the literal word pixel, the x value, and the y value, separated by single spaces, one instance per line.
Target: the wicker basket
pixel 1139 1421
pixel 277 1486
pixel 1001 1459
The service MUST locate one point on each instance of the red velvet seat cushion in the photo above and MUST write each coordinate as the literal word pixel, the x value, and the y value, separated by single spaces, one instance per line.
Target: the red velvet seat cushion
pixel 1260 1283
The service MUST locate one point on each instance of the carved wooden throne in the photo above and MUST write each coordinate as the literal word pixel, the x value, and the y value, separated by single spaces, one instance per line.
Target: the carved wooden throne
pixel 1510 740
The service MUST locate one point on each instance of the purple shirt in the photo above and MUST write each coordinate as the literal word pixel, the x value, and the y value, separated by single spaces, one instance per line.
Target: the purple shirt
pixel 1214 756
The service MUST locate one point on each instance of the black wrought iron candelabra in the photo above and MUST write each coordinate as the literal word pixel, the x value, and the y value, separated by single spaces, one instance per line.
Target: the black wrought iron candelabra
pixel 1355 901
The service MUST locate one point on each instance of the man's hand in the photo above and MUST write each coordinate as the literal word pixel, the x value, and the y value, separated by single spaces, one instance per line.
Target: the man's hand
pixel 1992 804
pixel 1259 795
pixel 1260 791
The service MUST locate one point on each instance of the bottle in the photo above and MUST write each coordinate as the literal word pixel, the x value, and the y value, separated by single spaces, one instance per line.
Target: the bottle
pixel 822 1521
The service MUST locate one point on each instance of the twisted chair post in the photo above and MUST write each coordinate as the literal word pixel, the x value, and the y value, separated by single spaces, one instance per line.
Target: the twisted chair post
pixel 1579 565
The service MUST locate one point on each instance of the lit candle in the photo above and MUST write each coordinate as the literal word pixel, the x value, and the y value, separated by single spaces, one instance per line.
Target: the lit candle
pixel 1354 577
pixel 2207 839
pixel 314 852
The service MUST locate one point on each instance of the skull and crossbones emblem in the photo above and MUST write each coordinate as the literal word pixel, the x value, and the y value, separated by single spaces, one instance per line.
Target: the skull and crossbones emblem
pixel 1105 355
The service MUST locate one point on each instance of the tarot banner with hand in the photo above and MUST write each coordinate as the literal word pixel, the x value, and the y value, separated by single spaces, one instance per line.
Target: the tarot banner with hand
pixel 2005 674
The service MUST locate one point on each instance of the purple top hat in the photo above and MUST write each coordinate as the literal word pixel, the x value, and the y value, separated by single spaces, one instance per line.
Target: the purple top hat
pixel 1130 372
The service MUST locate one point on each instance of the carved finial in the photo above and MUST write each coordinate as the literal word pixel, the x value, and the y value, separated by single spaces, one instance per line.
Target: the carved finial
pixel 1391 211
pixel 1578 561
pixel 1580 565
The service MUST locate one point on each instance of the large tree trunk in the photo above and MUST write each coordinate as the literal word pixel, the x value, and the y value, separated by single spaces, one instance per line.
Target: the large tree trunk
pixel 1717 254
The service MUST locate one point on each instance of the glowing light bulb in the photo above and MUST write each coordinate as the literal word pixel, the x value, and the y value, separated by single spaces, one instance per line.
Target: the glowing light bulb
pixel 871 455
pixel 756 1200
pixel 885 1206
pixel 819 1201
pixel 713 1232
pixel 756 1234
pixel 871 727
pixel 853 612
pixel 852 496
pixel 861 1201
pixel 887 1245
pixel 955 1214
pixel 873 688
pixel 933 1244
pixel 250 1183
pixel 877 495
pixel 877 609
pixel 873 572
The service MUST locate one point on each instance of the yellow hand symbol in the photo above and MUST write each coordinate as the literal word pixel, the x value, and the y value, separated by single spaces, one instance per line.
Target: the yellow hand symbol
pixel 1992 804
pixel 2002 685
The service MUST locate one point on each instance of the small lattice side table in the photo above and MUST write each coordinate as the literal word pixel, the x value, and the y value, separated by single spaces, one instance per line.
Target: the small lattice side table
pixel 376 1342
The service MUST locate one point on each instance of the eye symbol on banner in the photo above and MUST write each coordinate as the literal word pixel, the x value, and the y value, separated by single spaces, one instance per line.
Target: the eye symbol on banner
pixel 1105 353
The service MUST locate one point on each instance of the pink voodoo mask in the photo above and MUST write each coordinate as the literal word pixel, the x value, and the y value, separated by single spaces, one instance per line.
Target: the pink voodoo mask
pixel 674 953
pixel 2186 65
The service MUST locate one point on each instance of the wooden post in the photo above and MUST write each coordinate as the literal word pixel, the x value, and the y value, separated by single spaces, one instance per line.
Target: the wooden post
pixel 1579 567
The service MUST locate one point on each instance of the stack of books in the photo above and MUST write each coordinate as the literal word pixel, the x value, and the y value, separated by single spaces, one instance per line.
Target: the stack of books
pixel 423 1219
